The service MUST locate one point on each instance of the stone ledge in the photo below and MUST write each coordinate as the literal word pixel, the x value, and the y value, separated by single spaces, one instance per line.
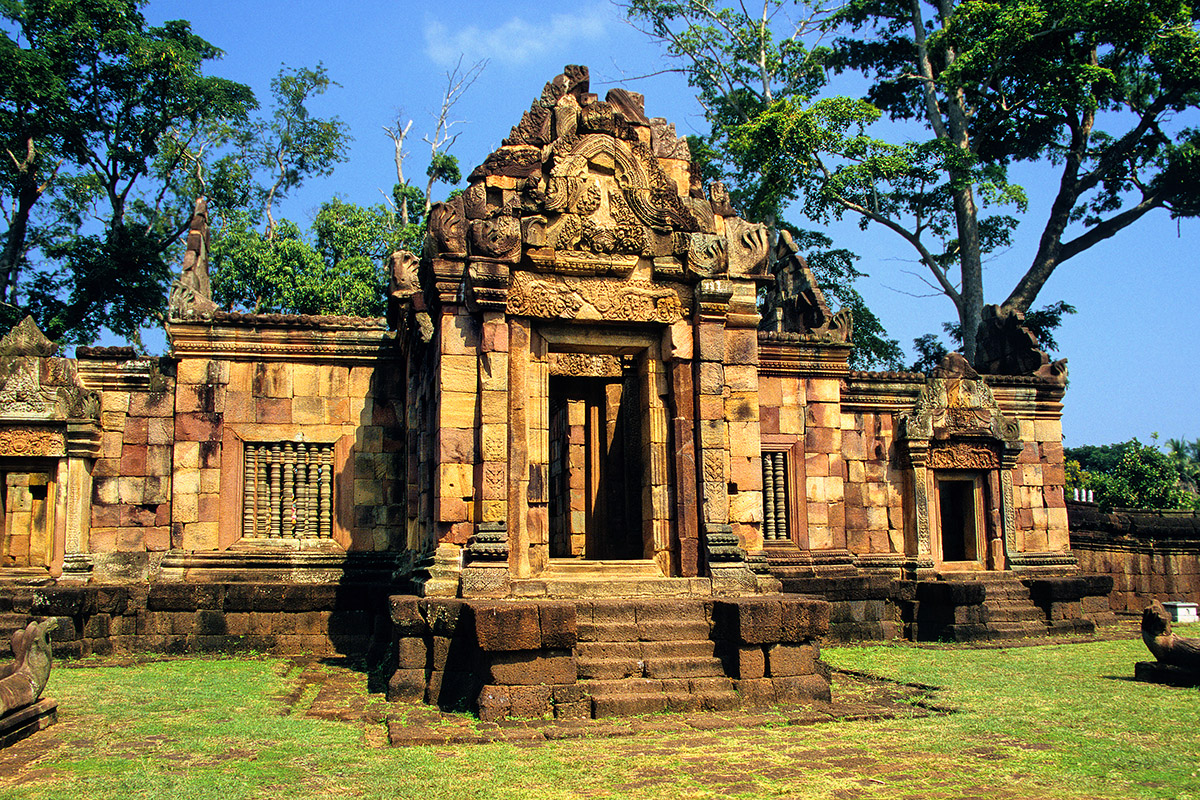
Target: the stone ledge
pixel 25 722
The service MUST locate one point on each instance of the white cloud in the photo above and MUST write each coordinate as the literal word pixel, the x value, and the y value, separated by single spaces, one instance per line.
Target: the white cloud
pixel 516 41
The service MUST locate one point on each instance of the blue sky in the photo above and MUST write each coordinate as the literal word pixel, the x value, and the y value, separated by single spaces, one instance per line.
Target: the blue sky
pixel 1133 348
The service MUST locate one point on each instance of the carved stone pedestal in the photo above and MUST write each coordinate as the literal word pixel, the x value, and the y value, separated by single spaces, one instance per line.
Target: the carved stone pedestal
pixel 25 722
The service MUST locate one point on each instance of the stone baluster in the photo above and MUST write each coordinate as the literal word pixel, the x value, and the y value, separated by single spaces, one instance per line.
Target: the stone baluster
pixel 289 489
pixel 768 460
pixel 780 490
pixel 276 468
pixel 249 483
pixel 327 491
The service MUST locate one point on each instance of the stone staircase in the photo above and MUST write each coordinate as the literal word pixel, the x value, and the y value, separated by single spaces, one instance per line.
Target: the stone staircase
pixel 650 656
pixel 1009 611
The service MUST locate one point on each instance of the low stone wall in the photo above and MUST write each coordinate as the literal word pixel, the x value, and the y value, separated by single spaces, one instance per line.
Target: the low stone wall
pixel 861 607
pixel 1150 555
pixel 522 659
pixel 278 618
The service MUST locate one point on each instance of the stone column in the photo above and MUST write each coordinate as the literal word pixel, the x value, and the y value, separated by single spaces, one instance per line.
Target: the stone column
pixel 83 446
pixel 678 351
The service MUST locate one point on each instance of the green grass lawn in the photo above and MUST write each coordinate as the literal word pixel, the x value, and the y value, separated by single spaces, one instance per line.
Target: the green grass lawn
pixel 1049 721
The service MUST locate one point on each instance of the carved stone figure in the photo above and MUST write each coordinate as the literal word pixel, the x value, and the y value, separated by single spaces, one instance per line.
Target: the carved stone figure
pixel 1168 648
pixel 1005 346
pixel 795 303
pixel 447 226
pixel 191 294
pixel 22 682
pixel 404 291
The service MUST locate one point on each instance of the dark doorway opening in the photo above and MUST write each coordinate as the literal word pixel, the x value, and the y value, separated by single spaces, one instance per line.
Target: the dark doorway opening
pixel 958 518
pixel 595 467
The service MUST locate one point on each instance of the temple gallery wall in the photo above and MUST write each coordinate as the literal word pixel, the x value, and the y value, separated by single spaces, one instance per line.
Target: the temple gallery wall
pixel 597 390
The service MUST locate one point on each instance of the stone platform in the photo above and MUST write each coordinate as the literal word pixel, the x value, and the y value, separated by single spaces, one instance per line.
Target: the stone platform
pixel 601 657
pixel 1165 674
pixel 27 721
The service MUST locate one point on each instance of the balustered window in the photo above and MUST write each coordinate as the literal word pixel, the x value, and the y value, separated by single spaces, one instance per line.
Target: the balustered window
pixel 776 500
pixel 288 491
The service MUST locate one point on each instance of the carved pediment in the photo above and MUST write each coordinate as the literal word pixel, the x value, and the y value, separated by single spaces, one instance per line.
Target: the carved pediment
pixel 584 188
pixel 958 406
pixel 37 385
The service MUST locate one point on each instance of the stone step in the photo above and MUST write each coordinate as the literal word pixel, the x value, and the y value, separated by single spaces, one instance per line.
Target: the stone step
pixel 681 648
pixel 648 631
pixel 568 588
pixel 607 650
pixel 586 568
pixel 610 668
pixel 607 632
pixel 699 648
pixel 686 667
pixel 1015 614
pixel 645 696
pixel 1015 630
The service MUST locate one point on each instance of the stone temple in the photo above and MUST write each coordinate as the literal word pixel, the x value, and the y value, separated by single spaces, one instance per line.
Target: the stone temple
pixel 605 455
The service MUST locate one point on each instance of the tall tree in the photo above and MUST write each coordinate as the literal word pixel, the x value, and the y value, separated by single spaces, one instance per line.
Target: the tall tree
pixel 1088 89
pixel 337 269
pixel 93 95
pixel 292 144
pixel 740 65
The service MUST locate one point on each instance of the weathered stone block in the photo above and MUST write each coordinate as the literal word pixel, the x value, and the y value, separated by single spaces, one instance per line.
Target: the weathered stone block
pixel 558 625
pixel 786 660
pixel 533 668
pixel 801 689
pixel 506 626
pixel 411 653
pixel 493 703
pixel 750 620
pixel 406 686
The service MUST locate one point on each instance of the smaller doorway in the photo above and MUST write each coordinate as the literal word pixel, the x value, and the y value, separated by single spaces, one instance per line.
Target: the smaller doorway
pixel 596 473
pixel 26 517
pixel 959 500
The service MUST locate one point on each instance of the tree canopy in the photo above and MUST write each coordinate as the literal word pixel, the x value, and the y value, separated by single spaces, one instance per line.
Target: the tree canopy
pixel 90 97
pixel 1088 90
pixel 1135 475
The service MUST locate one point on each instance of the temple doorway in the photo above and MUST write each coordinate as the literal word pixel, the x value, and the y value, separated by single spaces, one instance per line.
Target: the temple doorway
pixel 27 499
pixel 596 471
pixel 959 500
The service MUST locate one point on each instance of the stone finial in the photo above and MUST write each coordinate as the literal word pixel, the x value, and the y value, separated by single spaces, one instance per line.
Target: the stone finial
pixel 795 303
pixel 191 294
pixel 1004 345
pixel 26 339
pixel 22 682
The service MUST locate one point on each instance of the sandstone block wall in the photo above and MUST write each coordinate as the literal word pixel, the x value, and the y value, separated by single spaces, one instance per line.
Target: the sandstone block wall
pixel 131 478
pixel 1149 555
pixel 1038 478
pixel 222 404
pixel 874 493
pixel 283 619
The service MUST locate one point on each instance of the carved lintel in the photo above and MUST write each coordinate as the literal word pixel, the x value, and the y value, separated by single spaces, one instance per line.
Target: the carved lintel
pixel 556 297
pixel 591 365
pixel 963 455
pixel 28 441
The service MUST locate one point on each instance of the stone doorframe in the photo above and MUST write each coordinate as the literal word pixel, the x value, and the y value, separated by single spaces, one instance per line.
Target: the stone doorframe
pixel 529 453
pixel 957 426
pixel 67 451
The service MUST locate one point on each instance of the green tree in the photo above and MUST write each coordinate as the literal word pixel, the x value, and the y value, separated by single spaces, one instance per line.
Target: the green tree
pixel 338 269
pixel 89 94
pixel 739 68
pixel 293 145
pixel 1129 475
pixel 1088 89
